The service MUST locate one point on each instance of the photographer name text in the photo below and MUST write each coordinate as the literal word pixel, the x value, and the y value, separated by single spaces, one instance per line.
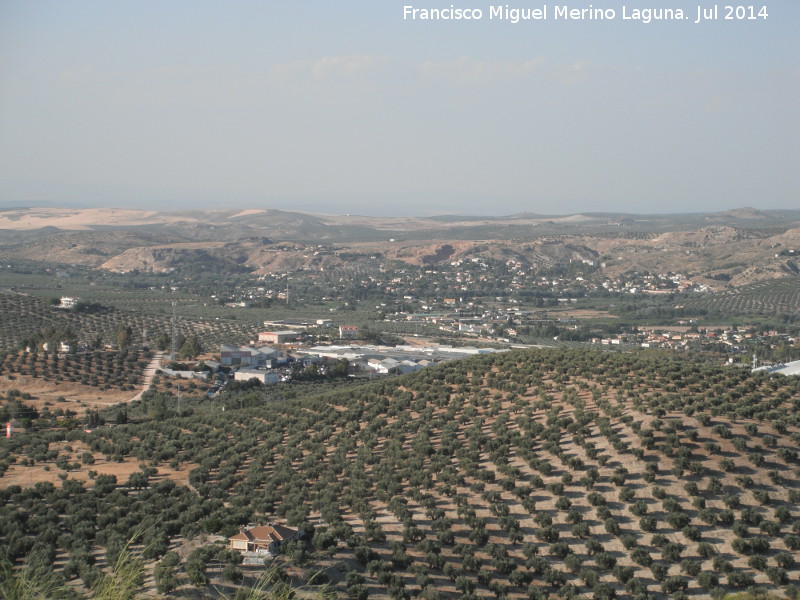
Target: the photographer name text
pixel 563 12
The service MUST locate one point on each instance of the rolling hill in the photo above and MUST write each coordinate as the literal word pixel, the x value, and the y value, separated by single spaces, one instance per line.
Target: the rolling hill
pixel 720 250
pixel 535 474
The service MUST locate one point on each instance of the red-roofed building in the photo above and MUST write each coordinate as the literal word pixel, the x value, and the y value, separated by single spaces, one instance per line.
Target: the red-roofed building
pixel 262 538
pixel 348 331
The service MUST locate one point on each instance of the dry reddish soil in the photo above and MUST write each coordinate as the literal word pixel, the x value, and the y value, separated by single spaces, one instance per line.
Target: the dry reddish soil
pixel 48 471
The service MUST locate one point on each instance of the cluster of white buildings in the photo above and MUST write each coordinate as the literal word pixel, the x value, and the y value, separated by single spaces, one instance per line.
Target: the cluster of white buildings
pixel 264 363
pixel 648 283
pixel 394 359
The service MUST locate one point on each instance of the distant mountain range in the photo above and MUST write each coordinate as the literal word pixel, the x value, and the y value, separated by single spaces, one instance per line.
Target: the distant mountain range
pixel 295 225
pixel 722 249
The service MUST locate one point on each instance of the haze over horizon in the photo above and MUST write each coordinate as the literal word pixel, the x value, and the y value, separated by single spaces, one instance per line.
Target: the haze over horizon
pixel 345 107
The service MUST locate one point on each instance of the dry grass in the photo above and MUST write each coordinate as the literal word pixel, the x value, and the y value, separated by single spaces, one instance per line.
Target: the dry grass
pixel 75 394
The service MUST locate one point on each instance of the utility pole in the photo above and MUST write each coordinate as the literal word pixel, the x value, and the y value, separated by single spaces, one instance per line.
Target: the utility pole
pixel 174 354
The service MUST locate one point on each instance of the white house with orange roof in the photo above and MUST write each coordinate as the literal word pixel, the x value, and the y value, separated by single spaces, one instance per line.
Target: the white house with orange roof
pixel 262 538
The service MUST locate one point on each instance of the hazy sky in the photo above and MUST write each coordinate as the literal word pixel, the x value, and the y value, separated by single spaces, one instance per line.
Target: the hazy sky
pixel 345 107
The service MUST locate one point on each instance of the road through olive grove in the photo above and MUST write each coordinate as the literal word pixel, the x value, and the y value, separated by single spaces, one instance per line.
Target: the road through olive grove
pixel 149 373
pixel 529 474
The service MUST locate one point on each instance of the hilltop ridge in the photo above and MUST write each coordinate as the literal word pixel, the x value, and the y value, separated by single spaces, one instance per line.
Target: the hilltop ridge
pixel 726 249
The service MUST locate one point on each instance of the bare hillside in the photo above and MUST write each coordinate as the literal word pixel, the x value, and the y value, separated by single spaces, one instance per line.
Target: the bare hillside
pixel 722 250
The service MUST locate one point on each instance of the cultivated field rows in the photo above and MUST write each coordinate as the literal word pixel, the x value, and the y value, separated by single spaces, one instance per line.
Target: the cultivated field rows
pixel 526 474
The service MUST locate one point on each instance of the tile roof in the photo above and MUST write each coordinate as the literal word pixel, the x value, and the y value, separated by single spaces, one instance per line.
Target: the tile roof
pixel 265 534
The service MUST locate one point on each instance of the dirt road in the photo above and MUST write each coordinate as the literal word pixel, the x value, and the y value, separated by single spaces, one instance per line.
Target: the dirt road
pixel 149 373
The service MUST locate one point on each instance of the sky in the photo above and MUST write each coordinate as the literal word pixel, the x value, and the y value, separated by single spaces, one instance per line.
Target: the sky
pixel 347 107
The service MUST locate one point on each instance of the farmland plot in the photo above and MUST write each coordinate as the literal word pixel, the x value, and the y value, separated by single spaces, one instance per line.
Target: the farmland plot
pixel 550 473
